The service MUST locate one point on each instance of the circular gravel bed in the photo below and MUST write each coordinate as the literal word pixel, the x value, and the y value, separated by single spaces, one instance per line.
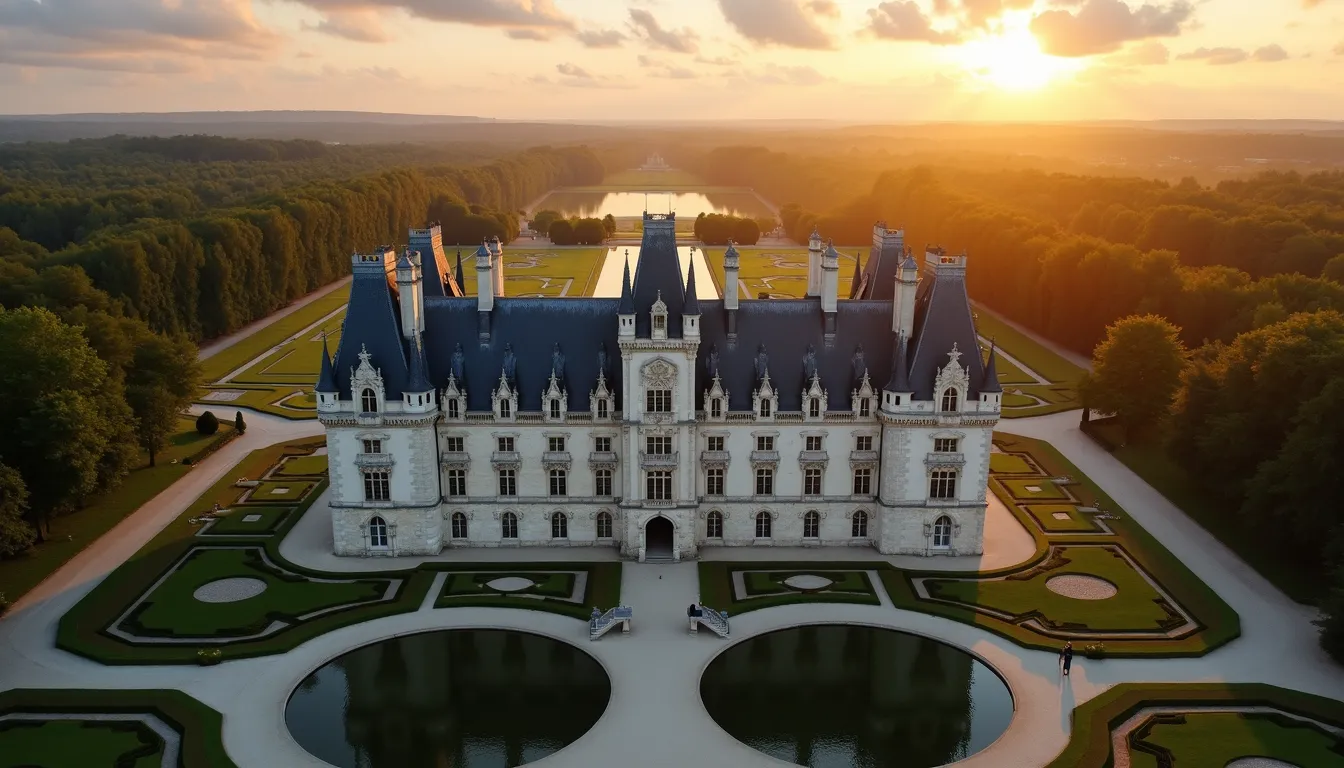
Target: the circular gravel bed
pixel 229 590
pixel 1259 762
pixel 510 584
pixel 807 581
pixel 1081 587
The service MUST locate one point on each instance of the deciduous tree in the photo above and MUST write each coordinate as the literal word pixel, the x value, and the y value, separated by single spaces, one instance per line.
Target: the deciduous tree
pixel 16 535
pixel 1136 371
pixel 159 385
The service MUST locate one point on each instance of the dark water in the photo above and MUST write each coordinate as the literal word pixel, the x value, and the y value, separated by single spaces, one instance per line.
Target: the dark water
pixel 842 696
pixel 469 698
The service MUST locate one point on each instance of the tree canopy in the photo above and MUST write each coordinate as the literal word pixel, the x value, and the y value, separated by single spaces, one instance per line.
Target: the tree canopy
pixel 1136 371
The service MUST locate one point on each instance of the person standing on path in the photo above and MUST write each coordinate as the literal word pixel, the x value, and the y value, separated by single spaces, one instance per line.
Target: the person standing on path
pixel 1066 657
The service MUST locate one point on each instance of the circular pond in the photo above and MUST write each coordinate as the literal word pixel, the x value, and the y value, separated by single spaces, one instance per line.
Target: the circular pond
pixel 836 696
pixel 467 698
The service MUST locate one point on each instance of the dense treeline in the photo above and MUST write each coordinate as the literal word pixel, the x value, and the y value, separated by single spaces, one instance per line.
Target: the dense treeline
pixel 719 228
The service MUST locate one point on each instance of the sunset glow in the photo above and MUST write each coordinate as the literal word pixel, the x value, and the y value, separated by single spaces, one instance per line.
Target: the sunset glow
pixel 1012 60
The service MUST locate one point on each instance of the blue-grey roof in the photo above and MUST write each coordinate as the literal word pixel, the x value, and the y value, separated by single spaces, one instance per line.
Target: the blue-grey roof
pixel 326 379
pixel 692 306
pixel 418 380
pixel 372 322
pixel 627 305
pixel 439 281
pixel 658 273
pixel 879 274
pixel 899 381
pixel 990 381
pixel 942 318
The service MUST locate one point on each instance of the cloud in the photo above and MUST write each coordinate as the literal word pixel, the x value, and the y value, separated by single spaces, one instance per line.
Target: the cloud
pixel 1338 50
pixel 600 38
pixel 539 15
pixel 1103 26
pixel 527 33
pixel 663 69
pixel 774 74
pixel 573 70
pixel 780 22
pixel 978 13
pixel 359 26
pixel 1216 56
pixel 1270 54
pixel 645 26
pixel 1143 55
pixel 904 20
pixel 720 61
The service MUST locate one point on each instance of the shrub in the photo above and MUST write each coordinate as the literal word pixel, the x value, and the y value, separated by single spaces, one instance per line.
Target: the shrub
pixel 207 424
pixel 238 423
pixel 1095 650
pixel 208 657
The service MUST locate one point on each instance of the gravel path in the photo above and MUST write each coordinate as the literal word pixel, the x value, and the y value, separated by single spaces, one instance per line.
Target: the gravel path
pixel 1081 587
pixel 230 590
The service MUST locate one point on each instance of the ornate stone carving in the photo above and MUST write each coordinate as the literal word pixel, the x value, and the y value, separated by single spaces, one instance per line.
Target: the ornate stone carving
pixel 659 374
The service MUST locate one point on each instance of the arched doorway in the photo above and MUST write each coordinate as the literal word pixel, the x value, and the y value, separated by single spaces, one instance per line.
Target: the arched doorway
pixel 658 539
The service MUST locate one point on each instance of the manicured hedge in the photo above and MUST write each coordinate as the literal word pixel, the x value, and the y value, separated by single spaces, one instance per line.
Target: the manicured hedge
pixel 199 725
pixel 716 585
pixel 602 591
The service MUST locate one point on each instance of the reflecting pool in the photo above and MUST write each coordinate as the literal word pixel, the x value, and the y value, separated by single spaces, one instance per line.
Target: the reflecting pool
pixel 687 205
pixel 836 696
pixel 466 698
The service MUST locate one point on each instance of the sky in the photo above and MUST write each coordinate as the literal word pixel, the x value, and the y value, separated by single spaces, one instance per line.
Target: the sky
pixel 851 60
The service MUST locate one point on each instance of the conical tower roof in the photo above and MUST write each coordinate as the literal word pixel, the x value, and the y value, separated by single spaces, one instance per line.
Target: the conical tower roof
pixel 326 380
pixel 419 375
pixel 692 306
pixel 627 306
pixel 990 381
pixel 900 368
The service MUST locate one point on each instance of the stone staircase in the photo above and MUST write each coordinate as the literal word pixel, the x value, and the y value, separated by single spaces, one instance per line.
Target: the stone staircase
pixel 715 621
pixel 620 616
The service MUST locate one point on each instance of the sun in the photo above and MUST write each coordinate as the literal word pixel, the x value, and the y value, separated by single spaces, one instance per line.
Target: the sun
pixel 1011 60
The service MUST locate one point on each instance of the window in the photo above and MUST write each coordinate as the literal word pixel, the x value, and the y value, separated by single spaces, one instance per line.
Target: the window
pixel 376 486
pixel 602 444
pixel 658 445
pixel 811 524
pixel 658 401
pixel 942 532
pixel 945 444
pixel 559 526
pixel 508 526
pixel 457 482
pixel 558 482
pixel 555 444
pixel 814 407
pixel 602 408
pixel 714 482
pixel 865 409
pixel 505 444
pixel 508 483
pixel 863 443
pixel 812 482
pixel 658 486
pixel 714 443
pixel 943 484
pixel 765 408
pixel 762 525
pixel 714 525
pixel 504 408
pixel 659 323
pixel 765 481
pixel 373 446
pixel 454 444
pixel 368 401
pixel 604 525
pixel 813 443
pixel 863 481
pixel 858 525
pixel 378 533
pixel 765 442
pixel 459 527
pixel 555 407
pixel 602 482
pixel 453 411
pixel 950 399
pixel 716 407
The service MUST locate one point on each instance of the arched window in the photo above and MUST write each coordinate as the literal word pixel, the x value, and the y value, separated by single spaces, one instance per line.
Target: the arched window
pixel 714 525
pixel 559 526
pixel 378 533
pixel 368 400
pixel 508 526
pixel 814 407
pixel 950 400
pixel 555 407
pixel 604 525
pixel 943 484
pixel 811 524
pixel 942 532
pixel 762 525
pixel 459 525
pixel 858 527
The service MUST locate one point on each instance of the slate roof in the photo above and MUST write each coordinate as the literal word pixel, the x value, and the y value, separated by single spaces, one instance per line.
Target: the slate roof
pixel 373 322
pixel 439 280
pixel 879 274
pixel 326 379
pixel 942 317
pixel 692 306
pixel 658 271
pixel 990 381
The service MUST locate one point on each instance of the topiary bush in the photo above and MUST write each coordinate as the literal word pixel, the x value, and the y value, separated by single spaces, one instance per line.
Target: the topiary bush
pixel 207 424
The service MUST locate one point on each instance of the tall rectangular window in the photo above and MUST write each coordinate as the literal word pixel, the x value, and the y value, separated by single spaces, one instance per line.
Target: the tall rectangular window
pixel 659 445
pixel 943 484
pixel 555 444
pixel 945 444
pixel 863 481
pixel 765 442
pixel 714 443
pixel 555 408
pixel 812 482
pixel 453 408
pixel 504 408
pixel 602 408
pixel 454 444
pixel 658 401
pixel 716 407
pixel 658 485
pixel 602 483
pixel 373 446
pixel 864 408
pixel 558 482
pixel 714 482
pixel 457 482
pixel 765 408
pixel 376 485
pixel 765 482
pixel 863 443
pixel 508 483
pixel 813 443
pixel 602 444
pixel 505 444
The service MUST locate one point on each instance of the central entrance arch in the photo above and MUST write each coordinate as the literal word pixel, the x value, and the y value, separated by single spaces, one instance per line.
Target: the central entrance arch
pixel 659 534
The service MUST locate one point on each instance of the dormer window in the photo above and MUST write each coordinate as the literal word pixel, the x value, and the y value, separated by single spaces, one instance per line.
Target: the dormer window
pixel 555 408
pixel 951 400
pixel 865 407
pixel 716 407
pixel 603 410
pixel 504 408
pixel 659 324
pixel 814 407
pixel 368 401
pixel 659 316
pixel 454 412
pixel 765 408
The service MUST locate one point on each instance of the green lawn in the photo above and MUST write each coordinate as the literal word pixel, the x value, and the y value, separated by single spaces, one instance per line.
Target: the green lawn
pixel 170 610
pixel 71 533
pixel 79 744
pixel 227 360
pixel 235 524
pixel 553 581
pixel 766 590
pixel 545 272
pixel 311 466
pixel 777 271
pixel 1044 514
pixel 1135 608
pixel 767 583
pixel 1041 360
pixel 545 584
pixel 1021 489
pixel 1217 738
pixel 1010 464
pixel 280 490
pixel 1009 374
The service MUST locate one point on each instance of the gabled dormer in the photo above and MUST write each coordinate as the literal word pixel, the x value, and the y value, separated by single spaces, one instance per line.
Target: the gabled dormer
pixel 690 313
pixel 505 400
pixel 991 391
pixel 862 397
pixel 455 393
pixel 898 393
pixel 555 399
pixel 765 400
pixel 366 385
pixel 625 312
pixel 814 396
pixel 658 319
pixel 952 384
pixel 601 400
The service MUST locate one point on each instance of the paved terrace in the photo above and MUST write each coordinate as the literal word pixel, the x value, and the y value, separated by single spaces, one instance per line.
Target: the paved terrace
pixel 655 717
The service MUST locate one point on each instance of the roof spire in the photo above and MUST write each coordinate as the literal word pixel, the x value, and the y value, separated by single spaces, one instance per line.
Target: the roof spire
pixel 990 381
pixel 326 380
pixel 460 283
pixel 627 306
pixel 900 369
pixel 692 306
pixel 419 380
pixel 856 280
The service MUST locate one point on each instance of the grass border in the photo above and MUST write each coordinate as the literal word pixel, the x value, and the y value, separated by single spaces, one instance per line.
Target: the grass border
pixel 600 591
pixel 716 584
